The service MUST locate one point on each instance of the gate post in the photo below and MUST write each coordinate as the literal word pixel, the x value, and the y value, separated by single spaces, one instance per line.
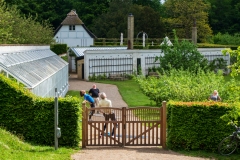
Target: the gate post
pixel 123 126
pixel 84 122
pixel 164 124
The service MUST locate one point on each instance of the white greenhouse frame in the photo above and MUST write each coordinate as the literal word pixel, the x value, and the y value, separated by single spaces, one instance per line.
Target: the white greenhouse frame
pixel 39 69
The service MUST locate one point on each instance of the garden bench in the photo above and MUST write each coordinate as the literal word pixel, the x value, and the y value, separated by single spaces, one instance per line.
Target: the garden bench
pixel 153 74
pixel 116 76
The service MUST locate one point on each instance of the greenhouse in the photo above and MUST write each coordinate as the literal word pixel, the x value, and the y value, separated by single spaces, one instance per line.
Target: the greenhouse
pixel 37 68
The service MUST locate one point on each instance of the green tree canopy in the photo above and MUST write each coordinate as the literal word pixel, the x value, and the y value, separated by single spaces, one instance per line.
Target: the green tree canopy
pixel 182 14
pixel 224 16
pixel 17 29
pixel 114 21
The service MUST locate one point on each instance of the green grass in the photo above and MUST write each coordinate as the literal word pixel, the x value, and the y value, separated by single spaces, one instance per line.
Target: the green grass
pixel 13 148
pixel 130 93
pixel 215 156
pixel 73 94
pixel 65 58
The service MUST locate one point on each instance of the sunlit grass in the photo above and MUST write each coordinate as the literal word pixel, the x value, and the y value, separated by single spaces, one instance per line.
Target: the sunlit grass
pixel 130 92
pixel 13 148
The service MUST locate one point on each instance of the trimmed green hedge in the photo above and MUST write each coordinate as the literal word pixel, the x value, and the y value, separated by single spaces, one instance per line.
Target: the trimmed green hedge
pixel 154 47
pixel 196 125
pixel 32 118
pixel 59 48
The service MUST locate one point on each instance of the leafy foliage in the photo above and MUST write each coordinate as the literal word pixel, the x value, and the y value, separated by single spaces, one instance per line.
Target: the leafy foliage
pixel 180 85
pixel 196 125
pixel 181 14
pixel 182 55
pixel 114 21
pixel 235 67
pixel 226 39
pixel 17 29
pixel 32 118
pixel 223 16
pixel 59 48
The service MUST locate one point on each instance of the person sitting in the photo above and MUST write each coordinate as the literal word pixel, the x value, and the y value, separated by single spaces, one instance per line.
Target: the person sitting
pixel 214 96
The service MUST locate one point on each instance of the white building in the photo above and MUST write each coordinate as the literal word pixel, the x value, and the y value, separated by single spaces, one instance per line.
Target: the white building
pixel 73 32
pixel 105 61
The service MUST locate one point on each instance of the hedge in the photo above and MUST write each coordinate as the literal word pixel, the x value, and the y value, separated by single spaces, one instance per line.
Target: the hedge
pixel 59 48
pixel 32 118
pixel 196 125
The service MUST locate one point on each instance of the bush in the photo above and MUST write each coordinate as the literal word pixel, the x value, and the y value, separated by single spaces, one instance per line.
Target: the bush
pixel 196 125
pixel 227 39
pixel 154 47
pixel 187 86
pixel 182 55
pixel 59 48
pixel 32 118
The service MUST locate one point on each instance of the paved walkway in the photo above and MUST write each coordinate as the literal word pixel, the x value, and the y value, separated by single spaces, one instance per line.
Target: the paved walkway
pixel 110 90
pixel 119 153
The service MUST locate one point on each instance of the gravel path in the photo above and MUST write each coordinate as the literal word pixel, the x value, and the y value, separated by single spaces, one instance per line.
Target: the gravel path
pixel 119 153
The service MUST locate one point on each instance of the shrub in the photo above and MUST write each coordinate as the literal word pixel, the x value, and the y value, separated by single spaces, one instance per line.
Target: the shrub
pixel 32 118
pixel 196 125
pixel 227 39
pixel 59 48
pixel 182 55
pixel 187 86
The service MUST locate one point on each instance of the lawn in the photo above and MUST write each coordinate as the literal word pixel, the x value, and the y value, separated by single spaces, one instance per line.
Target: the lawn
pixel 13 148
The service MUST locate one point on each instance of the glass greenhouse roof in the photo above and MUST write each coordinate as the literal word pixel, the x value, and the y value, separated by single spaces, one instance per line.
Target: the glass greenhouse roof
pixel 31 67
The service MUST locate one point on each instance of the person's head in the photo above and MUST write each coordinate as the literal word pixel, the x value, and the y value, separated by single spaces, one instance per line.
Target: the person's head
pixel 103 95
pixel 82 92
pixel 94 86
pixel 215 92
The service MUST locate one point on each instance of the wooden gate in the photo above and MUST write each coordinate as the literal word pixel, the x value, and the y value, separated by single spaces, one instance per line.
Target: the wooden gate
pixel 142 126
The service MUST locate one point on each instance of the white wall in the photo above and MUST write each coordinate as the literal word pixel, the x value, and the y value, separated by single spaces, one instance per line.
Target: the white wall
pixel 73 38
pixel 143 54
pixel 118 54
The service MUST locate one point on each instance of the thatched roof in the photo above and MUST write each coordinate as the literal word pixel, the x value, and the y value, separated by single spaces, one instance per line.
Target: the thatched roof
pixel 73 19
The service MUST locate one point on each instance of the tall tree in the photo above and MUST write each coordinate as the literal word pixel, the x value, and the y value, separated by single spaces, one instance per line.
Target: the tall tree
pixel 182 14
pixel 224 16
pixel 56 10
pixel 52 10
pixel 114 22
pixel 88 10
pixel 154 4
pixel 17 29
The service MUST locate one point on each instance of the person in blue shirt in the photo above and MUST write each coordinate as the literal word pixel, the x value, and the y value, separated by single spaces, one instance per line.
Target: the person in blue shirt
pixel 90 100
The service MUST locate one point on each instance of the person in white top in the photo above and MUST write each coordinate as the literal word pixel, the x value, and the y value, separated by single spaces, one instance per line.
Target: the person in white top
pixel 107 113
